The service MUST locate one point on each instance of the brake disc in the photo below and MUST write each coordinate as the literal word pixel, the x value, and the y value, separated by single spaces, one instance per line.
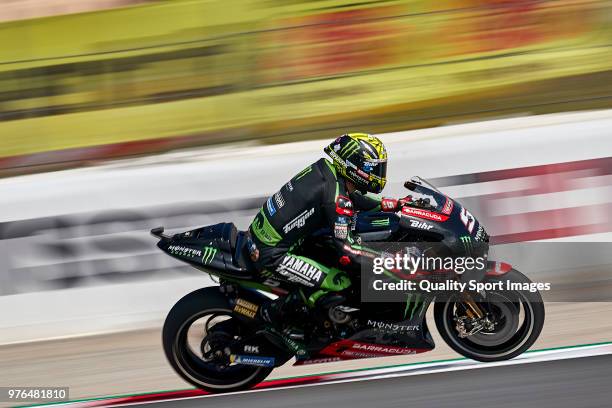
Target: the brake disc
pixel 505 322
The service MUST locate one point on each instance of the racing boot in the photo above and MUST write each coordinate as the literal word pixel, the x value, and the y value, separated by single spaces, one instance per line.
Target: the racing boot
pixel 276 312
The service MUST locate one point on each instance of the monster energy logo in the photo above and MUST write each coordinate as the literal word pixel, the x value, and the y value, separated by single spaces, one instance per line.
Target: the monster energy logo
pixel 466 240
pixel 349 149
pixel 381 222
pixel 413 306
pixel 184 251
pixel 303 172
pixel 209 254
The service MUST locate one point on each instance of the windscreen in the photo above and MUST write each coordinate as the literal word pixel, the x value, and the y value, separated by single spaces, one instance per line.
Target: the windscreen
pixel 437 200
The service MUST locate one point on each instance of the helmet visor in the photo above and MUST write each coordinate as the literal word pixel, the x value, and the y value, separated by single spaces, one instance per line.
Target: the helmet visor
pixel 378 172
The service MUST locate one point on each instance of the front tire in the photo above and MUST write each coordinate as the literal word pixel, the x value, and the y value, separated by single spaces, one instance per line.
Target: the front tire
pixel 514 336
pixel 188 364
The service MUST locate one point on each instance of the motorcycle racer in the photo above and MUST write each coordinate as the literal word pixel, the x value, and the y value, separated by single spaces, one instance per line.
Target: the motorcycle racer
pixel 304 246
pixel 323 195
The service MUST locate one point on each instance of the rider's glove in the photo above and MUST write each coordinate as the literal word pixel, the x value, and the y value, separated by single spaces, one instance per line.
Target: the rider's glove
pixel 393 205
pixel 404 201
pixel 389 204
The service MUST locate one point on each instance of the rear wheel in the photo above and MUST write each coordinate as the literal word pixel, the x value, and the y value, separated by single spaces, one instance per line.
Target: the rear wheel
pixel 514 322
pixel 197 336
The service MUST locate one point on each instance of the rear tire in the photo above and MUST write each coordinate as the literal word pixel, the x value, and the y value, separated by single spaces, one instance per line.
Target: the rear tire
pixel 190 367
pixel 513 344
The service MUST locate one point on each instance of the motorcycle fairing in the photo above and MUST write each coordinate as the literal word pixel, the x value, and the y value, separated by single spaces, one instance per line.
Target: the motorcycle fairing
pixel 219 247
pixel 381 334
pixel 349 349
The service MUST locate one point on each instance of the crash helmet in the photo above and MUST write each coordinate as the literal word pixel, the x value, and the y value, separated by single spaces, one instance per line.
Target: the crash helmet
pixel 360 158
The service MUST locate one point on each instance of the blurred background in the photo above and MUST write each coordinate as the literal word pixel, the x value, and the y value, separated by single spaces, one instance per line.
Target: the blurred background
pixel 117 116
pixel 102 78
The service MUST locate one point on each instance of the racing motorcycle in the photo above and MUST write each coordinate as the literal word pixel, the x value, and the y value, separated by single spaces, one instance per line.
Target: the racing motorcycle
pixel 215 339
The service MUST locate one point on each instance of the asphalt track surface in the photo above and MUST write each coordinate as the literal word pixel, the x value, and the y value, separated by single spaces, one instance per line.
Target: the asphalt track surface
pixel 577 382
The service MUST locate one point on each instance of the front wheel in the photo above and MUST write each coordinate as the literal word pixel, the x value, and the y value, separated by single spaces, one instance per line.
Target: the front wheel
pixel 514 320
pixel 196 335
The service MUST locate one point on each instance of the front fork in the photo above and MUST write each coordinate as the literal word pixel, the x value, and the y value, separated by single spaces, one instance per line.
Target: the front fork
pixel 473 311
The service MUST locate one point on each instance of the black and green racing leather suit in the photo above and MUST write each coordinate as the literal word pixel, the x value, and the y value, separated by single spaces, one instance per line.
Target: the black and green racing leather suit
pixel 313 199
